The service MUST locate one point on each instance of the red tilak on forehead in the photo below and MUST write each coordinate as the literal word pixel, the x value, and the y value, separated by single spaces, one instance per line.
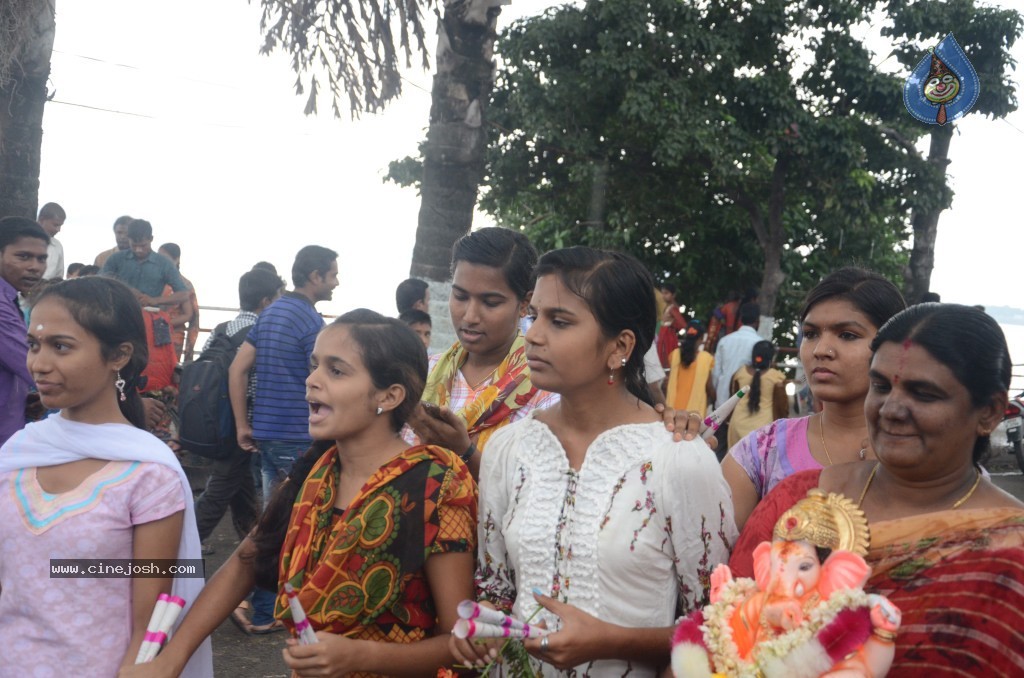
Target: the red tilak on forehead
pixel 907 343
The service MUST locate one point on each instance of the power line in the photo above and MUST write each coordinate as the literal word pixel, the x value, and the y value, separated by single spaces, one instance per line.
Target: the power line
pixel 105 110
pixel 142 70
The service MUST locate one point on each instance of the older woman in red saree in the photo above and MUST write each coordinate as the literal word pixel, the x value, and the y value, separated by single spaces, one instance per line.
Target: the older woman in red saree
pixel 947 546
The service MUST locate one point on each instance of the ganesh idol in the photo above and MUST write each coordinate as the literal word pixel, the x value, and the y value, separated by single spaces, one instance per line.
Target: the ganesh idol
pixel 805 613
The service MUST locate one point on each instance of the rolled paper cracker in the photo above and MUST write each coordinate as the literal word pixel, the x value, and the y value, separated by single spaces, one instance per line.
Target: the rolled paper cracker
pixel 152 626
pixel 715 420
pixel 174 607
pixel 471 629
pixel 470 609
pixel 302 627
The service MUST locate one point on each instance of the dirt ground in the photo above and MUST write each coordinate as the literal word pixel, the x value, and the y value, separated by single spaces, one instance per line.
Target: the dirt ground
pixel 234 653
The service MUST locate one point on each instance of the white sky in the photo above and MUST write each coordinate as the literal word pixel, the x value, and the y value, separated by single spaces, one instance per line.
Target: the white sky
pixel 219 157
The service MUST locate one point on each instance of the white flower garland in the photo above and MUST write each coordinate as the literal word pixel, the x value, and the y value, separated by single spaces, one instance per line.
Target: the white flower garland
pixel 718 632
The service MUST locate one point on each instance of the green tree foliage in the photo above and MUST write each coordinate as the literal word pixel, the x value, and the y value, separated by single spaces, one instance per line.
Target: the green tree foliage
pixel 725 144
pixel 986 35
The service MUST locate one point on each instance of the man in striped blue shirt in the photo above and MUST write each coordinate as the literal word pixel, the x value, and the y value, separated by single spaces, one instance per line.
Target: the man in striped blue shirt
pixel 278 348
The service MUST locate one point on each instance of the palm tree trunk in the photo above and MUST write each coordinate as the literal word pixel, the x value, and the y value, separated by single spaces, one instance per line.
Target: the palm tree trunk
pixel 29 29
pixel 453 154
pixel 918 274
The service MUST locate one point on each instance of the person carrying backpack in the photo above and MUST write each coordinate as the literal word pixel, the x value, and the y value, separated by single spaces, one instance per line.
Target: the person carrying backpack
pixel 207 425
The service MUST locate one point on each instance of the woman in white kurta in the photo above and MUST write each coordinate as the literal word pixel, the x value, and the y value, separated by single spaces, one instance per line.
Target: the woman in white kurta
pixel 589 508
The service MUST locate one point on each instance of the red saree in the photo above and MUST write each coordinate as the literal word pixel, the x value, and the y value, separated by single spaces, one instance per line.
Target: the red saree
pixel 958 577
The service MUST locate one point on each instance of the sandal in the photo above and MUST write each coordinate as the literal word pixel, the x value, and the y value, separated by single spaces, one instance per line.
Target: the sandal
pixel 272 627
pixel 240 618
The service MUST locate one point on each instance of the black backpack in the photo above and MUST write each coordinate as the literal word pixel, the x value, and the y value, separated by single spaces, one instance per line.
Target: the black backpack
pixel 206 423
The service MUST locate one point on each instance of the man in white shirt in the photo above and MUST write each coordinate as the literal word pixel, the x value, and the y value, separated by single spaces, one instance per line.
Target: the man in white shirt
pixel 733 351
pixel 51 218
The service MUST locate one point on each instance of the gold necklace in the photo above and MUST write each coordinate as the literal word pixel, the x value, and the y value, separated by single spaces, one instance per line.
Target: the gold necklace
pixel 821 432
pixel 957 504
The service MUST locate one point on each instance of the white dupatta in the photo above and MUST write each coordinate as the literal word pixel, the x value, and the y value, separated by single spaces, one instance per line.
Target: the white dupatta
pixel 56 440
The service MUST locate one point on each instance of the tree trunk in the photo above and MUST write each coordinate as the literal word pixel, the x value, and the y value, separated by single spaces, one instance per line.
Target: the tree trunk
pixel 918 274
pixel 453 154
pixel 775 238
pixel 771 236
pixel 24 70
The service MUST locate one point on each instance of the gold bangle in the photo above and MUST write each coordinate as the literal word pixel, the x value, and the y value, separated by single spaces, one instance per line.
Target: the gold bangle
pixel 884 636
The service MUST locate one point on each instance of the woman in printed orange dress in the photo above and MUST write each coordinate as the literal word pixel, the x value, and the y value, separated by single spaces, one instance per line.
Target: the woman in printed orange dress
pixel 377 537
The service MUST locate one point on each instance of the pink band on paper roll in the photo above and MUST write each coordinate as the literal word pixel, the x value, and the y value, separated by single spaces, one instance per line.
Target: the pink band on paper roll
pixel 468 609
pixel 157 637
pixel 463 629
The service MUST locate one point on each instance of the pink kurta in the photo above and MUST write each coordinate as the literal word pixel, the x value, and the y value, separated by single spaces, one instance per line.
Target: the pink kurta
pixel 79 626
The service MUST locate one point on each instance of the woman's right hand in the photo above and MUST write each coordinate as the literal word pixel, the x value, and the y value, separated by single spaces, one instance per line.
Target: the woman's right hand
pixel 475 653
pixel 440 426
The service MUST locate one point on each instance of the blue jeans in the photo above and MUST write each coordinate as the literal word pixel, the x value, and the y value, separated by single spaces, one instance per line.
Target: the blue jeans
pixel 276 459
pixel 262 606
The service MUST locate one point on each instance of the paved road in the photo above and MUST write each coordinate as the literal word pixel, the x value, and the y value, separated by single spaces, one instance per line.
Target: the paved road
pixel 238 655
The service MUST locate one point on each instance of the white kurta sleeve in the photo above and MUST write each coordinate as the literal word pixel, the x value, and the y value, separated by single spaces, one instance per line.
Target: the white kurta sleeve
pixel 700 521
pixel 495 579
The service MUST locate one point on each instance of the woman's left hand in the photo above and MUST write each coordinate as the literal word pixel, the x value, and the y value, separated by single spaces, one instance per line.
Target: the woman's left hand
pixel 440 426
pixel 332 655
pixel 683 424
pixel 577 642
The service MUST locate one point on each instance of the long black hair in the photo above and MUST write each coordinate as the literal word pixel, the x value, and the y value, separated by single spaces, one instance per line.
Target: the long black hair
pixel 617 290
pixel 392 354
pixel 760 360
pixel 108 309
pixel 689 341
pixel 966 340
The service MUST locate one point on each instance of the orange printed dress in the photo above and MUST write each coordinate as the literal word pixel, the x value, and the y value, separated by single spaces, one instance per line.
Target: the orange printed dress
pixel 361 573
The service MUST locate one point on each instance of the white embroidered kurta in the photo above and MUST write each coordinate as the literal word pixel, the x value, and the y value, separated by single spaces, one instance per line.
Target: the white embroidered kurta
pixel 630 538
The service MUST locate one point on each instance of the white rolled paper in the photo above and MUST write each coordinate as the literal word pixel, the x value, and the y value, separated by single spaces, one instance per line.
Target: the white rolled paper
pixel 472 629
pixel 470 609
pixel 715 420
pixel 302 627
pixel 152 627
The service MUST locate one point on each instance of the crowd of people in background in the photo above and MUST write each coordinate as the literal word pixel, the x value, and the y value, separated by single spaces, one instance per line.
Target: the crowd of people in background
pixel 546 464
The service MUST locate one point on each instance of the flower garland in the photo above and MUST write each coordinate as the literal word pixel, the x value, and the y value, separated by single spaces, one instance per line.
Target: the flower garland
pixel 722 648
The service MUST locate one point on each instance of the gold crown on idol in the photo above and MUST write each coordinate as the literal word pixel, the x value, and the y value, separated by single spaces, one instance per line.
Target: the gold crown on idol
pixel 826 520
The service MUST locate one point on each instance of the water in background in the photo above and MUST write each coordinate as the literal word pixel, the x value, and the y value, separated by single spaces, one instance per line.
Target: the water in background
pixel 1015 340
